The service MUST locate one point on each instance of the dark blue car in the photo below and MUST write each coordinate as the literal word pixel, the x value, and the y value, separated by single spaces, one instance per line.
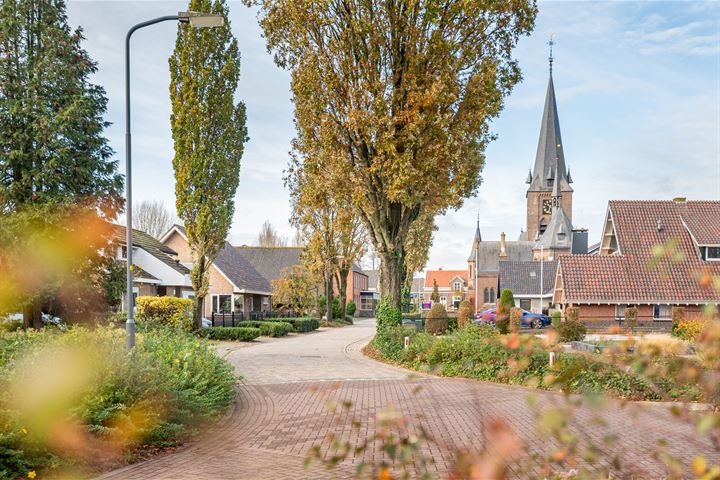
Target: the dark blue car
pixel 528 319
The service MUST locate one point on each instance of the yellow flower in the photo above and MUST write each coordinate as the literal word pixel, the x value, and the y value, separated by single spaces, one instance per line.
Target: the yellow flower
pixel 24 431
pixel 32 474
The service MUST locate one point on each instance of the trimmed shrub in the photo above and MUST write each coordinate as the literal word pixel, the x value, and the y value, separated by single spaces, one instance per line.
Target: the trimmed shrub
pixel 437 320
pixel 507 301
pixel 241 334
pixel 464 314
pixel 689 329
pixel 515 317
pixel 300 325
pixel 387 314
pixel 631 318
pixel 571 331
pixel 572 314
pixel 268 329
pixel 350 308
pixel 171 312
pixel 503 325
pixel 556 318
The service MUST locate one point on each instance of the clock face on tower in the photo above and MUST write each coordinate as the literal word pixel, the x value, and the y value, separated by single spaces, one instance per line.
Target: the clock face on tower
pixel 547 206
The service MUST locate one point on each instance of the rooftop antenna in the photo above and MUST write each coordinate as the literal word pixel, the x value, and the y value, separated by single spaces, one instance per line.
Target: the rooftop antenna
pixel 551 42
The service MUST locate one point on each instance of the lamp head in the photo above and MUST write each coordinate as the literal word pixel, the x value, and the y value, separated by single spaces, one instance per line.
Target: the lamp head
pixel 201 20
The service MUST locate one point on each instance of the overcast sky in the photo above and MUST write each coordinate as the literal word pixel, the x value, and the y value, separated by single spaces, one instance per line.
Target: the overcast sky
pixel 638 92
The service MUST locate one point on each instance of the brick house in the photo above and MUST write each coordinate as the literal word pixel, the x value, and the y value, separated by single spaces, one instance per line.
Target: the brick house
pixel 156 269
pixel 629 272
pixel 452 286
pixel 235 285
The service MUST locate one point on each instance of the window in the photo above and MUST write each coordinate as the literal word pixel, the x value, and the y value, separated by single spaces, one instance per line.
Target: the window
pixel 366 303
pixel 712 253
pixel 489 295
pixel 443 300
pixel 122 252
pixel 525 304
pixel 222 303
pixel 456 301
pixel 662 312
pixel 457 286
pixel 620 311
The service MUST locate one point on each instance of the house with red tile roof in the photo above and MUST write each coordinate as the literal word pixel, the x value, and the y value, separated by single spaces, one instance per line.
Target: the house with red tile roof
pixel 653 255
pixel 452 286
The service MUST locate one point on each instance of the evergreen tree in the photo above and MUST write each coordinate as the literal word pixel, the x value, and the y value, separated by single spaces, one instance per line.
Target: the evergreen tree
pixel 435 295
pixel 52 147
pixel 209 133
pixel 57 174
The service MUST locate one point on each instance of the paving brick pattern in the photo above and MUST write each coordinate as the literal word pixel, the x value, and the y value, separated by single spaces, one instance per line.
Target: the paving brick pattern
pixel 283 410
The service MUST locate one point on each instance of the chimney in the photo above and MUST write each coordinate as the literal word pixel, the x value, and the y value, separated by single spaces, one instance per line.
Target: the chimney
pixel 503 251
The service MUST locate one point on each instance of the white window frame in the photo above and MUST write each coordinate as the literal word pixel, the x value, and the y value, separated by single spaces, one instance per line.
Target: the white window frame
pixel 443 300
pixel 216 302
pixel 457 286
pixel 708 257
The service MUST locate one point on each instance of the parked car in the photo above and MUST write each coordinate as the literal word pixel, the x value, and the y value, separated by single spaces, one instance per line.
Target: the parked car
pixel 528 319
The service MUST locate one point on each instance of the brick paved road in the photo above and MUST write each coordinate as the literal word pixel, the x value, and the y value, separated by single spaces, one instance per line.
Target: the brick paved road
pixel 282 412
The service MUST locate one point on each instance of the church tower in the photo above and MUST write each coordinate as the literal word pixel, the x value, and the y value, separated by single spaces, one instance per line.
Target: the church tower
pixel 549 171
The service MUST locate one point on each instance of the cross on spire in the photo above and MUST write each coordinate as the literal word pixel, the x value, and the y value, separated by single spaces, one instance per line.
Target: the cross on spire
pixel 551 42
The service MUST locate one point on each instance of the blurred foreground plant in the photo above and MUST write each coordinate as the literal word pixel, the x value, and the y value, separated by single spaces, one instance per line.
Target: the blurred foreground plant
pixel 72 399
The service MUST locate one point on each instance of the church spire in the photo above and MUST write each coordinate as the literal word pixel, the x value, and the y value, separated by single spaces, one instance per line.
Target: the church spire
pixel 549 167
pixel 556 194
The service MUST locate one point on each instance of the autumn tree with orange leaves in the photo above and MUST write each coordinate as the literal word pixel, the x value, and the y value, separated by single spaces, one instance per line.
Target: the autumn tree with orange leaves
pixel 396 98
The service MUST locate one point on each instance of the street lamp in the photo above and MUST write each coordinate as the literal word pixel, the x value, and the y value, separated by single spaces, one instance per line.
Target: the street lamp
pixel 195 19
pixel 542 258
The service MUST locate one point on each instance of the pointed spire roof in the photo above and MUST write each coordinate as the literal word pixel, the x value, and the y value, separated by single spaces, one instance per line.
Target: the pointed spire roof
pixel 476 241
pixel 559 232
pixel 549 154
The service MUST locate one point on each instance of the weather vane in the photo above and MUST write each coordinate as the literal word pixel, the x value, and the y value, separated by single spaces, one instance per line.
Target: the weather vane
pixel 551 42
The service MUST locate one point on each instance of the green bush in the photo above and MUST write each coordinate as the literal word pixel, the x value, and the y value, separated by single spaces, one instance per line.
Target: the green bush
pixel 478 352
pixel 503 324
pixel 387 314
pixel 300 324
pixel 268 329
pixel 436 322
pixel 156 396
pixel 571 331
pixel 10 325
pixel 556 318
pixel 171 312
pixel 242 334
pixel 350 308
pixel 507 301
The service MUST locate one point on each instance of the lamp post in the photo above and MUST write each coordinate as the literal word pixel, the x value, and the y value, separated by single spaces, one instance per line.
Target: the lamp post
pixel 542 259
pixel 197 20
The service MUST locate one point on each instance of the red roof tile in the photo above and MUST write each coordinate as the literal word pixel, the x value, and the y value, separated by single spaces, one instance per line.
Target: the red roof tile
pixel 444 277
pixel 635 275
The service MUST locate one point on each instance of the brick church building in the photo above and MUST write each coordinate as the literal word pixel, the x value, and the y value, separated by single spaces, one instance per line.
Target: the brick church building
pixel 529 261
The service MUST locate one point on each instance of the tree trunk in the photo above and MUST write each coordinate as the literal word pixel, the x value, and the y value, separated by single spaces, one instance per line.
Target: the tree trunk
pixel 392 271
pixel 342 290
pixel 32 316
pixel 328 298
pixel 198 278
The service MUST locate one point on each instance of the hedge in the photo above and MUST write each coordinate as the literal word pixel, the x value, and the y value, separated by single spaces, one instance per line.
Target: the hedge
pixel 268 329
pixel 300 325
pixel 172 312
pixel 242 334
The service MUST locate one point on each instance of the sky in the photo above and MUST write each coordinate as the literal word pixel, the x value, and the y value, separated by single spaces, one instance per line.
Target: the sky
pixel 638 94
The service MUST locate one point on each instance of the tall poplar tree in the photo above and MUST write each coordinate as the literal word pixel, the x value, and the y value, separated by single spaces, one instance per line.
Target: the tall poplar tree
pixel 209 132
pixel 403 93
pixel 55 164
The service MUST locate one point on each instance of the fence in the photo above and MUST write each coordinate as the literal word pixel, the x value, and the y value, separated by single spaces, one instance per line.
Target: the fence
pixel 232 318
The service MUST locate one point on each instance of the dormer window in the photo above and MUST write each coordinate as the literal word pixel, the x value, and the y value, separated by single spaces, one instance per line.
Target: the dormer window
pixel 457 286
pixel 122 252
pixel 711 254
